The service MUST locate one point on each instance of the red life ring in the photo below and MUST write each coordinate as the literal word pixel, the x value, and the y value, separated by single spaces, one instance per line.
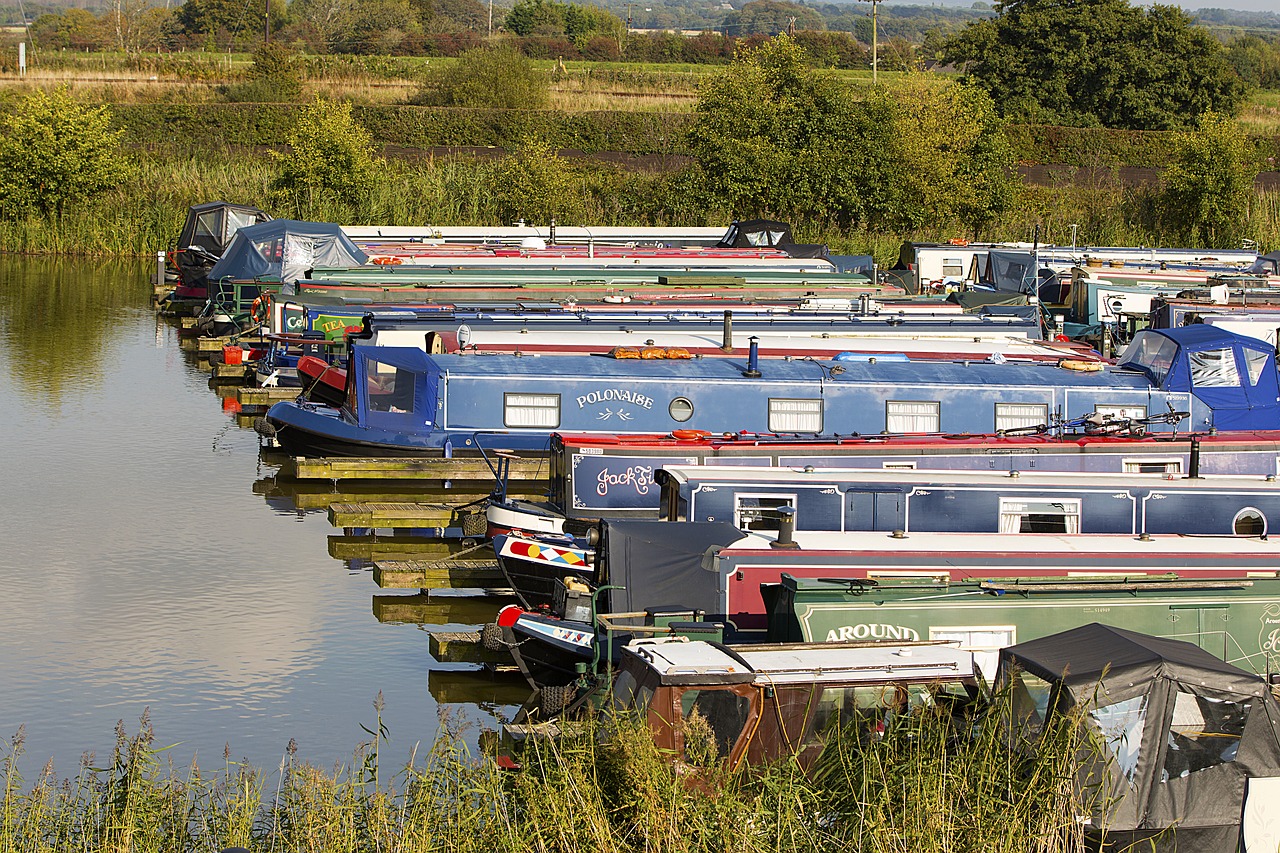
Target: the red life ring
pixel 689 434
pixel 260 312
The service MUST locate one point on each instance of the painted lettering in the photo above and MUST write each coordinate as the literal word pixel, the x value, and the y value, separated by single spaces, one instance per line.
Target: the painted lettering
pixel 637 478
pixel 871 631
pixel 614 395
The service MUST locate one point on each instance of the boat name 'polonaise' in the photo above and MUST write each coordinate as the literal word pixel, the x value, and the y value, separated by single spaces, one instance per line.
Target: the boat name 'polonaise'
pixel 606 395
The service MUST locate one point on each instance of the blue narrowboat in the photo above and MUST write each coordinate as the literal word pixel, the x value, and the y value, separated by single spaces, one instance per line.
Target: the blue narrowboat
pixel 402 401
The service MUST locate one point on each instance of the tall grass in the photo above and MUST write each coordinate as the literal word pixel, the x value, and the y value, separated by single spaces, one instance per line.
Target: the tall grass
pixel 923 786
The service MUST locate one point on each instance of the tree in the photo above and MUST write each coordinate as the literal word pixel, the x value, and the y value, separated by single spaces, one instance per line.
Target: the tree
pixel 552 18
pixel 1205 190
pixel 1097 62
pixel 493 78
pixel 771 18
pixel 776 138
pixel 215 17
pixel 54 151
pixel 537 185
pixel 330 158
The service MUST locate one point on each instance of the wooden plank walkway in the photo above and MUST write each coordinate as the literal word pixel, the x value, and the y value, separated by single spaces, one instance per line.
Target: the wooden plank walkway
pixel 438 574
pixel 265 396
pixel 394 515
pixel 466 469
pixel 390 549
pixel 464 647
pixel 425 609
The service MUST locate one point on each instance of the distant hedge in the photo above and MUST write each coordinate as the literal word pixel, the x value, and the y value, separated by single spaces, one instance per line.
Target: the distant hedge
pixel 624 131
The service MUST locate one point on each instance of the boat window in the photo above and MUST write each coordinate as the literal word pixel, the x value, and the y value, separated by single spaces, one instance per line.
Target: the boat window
pixel 625 693
pixel 912 416
pixel 531 410
pixel 1121 725
pixel 1256 363
pixel 390 388
pixel 1121 413
pixel 272 249
pixel 207 225
pixel 791 415
pixel 984 642
pixel 759 512
pixel 953 267
pixel 711 722
pixel 1030 695
pixel 680 409
pixel 1214 368
pixel 1152 466
pixel 1020 415
pixel 1150 352
pixel 1018 515
pixel 237 219
pixel 1250 522
pixel 1205 732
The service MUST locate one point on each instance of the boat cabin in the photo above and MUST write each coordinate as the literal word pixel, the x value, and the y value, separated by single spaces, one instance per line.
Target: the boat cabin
pixel 707 703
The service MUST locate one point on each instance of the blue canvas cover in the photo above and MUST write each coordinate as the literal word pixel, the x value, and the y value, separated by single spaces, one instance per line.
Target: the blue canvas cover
pixel 1011 271
pixel 397 388
pixel 1232 374
pixel 286 249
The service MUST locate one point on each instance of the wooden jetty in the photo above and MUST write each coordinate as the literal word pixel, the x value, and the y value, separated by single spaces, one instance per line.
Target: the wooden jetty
pixel 522 473
pixel 255 396
pixel 405 515
pixel 390 549
pixel 427 609
pixel 464 647
pixel 452 573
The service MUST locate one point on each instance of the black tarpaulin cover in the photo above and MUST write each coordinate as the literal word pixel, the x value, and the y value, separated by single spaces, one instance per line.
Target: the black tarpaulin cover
pixel 661 563
pixel 1176 732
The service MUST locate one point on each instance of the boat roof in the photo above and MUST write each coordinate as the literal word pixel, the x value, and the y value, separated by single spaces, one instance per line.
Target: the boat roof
pixel 699 662
pixel 1049 481
pixel 782 370
pixel 1033 546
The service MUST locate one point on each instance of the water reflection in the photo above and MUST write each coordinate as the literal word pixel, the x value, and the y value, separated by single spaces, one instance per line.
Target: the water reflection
pixel 56 317
pixel 142 570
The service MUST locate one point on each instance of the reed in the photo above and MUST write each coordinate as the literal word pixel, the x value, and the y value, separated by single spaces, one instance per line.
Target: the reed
pixel 924 785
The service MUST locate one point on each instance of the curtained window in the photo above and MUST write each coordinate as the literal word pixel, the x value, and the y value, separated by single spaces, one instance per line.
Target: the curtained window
pixel 531 410
pixel 795 415
pixel 1018 415
pixel 912 416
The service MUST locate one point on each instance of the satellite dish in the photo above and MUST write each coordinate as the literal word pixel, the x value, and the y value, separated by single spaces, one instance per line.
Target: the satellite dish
pixel 464 336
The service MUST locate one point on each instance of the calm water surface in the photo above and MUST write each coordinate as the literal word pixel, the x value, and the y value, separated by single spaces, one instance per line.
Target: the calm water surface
pixel 141 570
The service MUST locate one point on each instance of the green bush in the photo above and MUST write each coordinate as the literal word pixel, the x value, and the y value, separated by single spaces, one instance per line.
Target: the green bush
pixel 490 78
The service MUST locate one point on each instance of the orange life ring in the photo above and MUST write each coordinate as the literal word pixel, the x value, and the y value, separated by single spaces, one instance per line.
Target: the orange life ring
pixel 689 434
pixel 958 241
pixel 260 312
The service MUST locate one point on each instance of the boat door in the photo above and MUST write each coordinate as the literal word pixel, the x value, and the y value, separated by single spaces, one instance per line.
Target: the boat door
pixel 1206 625
pixel 876 509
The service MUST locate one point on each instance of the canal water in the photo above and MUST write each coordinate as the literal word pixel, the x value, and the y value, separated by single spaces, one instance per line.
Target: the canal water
pixel 151 564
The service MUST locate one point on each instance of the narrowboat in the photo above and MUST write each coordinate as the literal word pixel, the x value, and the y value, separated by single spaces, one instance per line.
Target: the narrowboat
pixel 205 235
pixel 403 401
pixel 1234 618
pixel 1014 587
pixel 708 704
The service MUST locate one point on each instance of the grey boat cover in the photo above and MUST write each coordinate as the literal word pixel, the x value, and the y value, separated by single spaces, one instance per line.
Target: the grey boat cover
pixel 286 249
pixel 660 563
pixel 1011 271
pixel 212 225
pixel 1177 731
pixel 1268 264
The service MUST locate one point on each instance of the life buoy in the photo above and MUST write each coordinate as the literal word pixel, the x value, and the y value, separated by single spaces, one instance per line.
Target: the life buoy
pixel 958 241
pixel 1081 365
pixel 260 311
pixel 689 434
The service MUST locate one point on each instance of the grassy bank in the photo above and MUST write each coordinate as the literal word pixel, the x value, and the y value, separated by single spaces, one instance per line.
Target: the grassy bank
pixel 917 788
pixel 143 214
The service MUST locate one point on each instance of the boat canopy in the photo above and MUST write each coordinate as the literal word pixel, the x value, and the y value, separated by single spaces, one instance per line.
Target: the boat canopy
pixel 212 225
pixel 1175 731
pixel 1011 271
pixel 1268 264
pixel 397 388
pixel 756 234
pixel 286 249
pixel 658 563
pixel 1232 374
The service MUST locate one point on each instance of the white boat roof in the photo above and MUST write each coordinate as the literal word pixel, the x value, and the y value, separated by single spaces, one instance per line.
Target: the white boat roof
pixel 678 661
pixel 1036 548
pixel 1052 482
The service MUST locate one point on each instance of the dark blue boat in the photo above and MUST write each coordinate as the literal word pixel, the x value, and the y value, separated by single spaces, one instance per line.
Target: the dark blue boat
pixel 402 401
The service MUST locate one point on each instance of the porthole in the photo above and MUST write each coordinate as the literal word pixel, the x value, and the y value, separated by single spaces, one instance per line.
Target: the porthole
pixel 1250 522
pixel 680 409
